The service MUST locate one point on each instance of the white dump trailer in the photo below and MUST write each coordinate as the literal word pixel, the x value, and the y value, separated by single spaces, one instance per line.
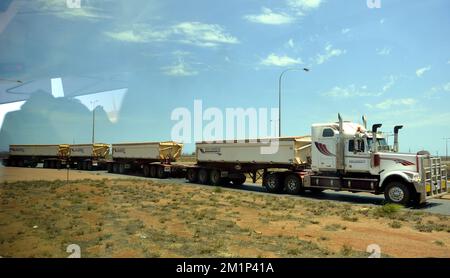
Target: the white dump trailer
pixel 289 151
pixel 152 158
pixel 221 162
pixel 89 156
pixel 53 156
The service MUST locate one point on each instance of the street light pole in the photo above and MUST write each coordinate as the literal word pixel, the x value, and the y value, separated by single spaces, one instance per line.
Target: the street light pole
pixel 446 147
pixel 279 94
pixel 93 119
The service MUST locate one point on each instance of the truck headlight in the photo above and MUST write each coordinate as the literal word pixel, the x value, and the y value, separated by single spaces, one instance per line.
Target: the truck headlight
pixel 416 178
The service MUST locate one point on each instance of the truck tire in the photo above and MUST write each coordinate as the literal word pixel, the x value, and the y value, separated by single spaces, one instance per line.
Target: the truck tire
pixel 89 165
pixel 122 168
pixel 192 175
pixel 293 184
pixel 109 167
pixel 153 171
pixel 58 164
pixel 273 183
pixel 115 167
pixel 397 192
pixel 146 170
pixel 239 181
pixel 203 176
pixel 215 178
pixel 160 173
pixel 52 164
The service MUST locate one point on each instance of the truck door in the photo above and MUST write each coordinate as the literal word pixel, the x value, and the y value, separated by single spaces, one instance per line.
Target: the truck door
pixel 326 146
pixel 357 158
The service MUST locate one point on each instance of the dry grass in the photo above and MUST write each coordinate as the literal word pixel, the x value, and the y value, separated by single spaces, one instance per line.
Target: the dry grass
pixel 130 218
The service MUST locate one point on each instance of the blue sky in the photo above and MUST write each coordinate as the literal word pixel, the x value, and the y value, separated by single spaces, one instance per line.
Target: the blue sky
pixel 390 63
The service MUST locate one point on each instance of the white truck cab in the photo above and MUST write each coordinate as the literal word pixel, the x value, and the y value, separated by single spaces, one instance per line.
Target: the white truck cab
pixel 347 156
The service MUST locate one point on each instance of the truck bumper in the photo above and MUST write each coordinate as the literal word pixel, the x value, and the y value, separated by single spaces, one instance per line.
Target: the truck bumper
pixel 430 191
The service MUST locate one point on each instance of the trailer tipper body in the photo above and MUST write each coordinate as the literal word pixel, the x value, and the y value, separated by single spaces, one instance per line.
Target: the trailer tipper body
pixel 154 159
pixel 338 156
pixel 89 156
pixel 30 155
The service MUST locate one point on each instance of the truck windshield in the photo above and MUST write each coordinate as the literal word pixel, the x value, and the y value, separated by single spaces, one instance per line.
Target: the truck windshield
pixel 382 144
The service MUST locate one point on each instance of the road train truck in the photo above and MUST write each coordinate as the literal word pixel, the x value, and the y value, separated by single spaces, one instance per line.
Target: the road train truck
pixel 341 156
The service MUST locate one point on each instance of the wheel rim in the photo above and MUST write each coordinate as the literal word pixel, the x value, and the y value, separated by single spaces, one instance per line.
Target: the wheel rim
pixel 292 184
pixel 271 182
pixel 396 194
pixel 202 176
pixel 215 177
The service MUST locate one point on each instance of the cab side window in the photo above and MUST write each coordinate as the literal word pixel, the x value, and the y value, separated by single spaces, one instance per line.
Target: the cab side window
pixel 359 145
pixel 327 132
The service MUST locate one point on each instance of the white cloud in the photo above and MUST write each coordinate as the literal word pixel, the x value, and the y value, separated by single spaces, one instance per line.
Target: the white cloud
pixel 421 71
pixel 202 34
pixel 390 83
pixel 301 6
pixel 280 61
pixel 436 90
pixel 269 17
pixel 138 35
pixel 384 51
pixel 388 103
pixel 180 69
pixel 345 31
pixel 329 53
pixel 290 43
pixel 349 91
pixel 196 33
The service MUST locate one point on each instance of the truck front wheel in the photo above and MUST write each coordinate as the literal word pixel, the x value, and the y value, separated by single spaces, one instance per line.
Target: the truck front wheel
pixel 273 183
pixel 398 193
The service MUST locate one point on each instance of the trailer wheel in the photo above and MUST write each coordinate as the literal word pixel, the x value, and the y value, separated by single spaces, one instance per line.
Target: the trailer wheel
pixel 203 176
pixel 89 165
pixel 273 183
pixel 160 173
pixel 146 170
pixel 398 193
pixel 109 167
pixel 240 180
pixel 293 184
pixel 58 164
pixel 33 164
pixel 115 168
pixel 192 175
pixel 215 177
pixel 122 168
pixel 153 171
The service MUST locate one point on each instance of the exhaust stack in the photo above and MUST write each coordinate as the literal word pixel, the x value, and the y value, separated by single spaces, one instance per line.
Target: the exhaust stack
pixel 364 119
pixel 340 163
pixel 375 127
pixel 396 129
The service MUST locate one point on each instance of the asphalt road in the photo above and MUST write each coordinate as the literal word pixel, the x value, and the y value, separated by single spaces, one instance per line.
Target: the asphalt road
pixel 440 206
